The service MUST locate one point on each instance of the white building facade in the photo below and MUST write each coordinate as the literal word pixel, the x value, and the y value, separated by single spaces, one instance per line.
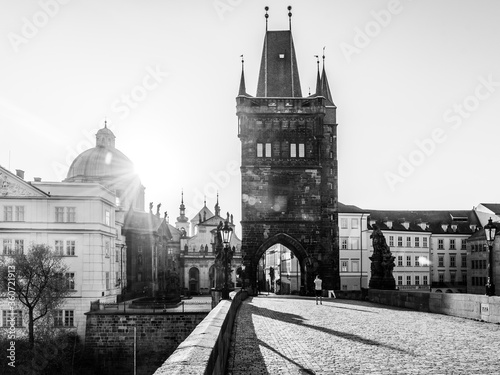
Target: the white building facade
pixel 78 221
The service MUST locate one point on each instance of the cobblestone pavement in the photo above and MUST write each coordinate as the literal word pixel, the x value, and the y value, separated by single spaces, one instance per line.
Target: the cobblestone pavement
pixel 280 335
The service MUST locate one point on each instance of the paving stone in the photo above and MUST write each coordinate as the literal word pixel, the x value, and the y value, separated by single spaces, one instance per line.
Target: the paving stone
pixel 285 335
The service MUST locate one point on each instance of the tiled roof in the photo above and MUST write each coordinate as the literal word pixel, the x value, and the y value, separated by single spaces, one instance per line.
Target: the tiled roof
pixel 438 222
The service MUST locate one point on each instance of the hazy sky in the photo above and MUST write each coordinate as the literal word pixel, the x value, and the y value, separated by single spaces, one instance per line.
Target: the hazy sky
pixel 416 83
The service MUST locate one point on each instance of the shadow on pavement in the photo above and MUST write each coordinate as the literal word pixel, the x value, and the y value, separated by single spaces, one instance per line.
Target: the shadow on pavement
pixel 298 320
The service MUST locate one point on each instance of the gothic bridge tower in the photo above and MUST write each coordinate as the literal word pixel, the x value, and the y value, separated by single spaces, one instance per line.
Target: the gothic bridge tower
pixel 289 166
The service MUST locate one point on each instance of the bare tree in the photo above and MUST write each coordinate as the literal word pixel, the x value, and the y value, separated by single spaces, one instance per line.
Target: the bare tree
pixel 39 281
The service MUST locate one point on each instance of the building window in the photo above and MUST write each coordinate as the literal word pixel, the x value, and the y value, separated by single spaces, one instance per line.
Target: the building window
pixel 264 150
pixel 59 214
pixel 344 243
pixel 106 249
pixel 400 280
pixel 425 280
pixel 70 277
pixel 117 255
pixel 408 261
pixel 297 150
pixel 440 260
pixel 107 218
pixel 417 280
pixel 408 241
pixel 417 241
pixel 453 260
pixel 355 266
pixel 7 213
pixel 424 242
pixel 19 246
pixel 7 247
pixel 354 224
pixel 391 241
pixel 441 278
pixel 464 245
pixel 107 280
pixel 354 243
pixel 19 213
pixel 12 315
pixel 344 287
pixel 400 241
pixel 408 280
pixel 452 244
pixel 64 318
pixel 70 214
pixel 343 223
pixel 70 248
pixel 400 260
pixel 464 261
pixel 59 247
pixel 417 261
pixel 344 266
pixel 302 150
pixel 453 277
pixel 440 244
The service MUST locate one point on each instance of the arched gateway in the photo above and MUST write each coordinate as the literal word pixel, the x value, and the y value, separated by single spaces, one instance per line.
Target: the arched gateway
pixel 289 166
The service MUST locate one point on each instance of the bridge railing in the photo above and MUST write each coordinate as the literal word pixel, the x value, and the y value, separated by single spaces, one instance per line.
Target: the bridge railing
pixel 206 349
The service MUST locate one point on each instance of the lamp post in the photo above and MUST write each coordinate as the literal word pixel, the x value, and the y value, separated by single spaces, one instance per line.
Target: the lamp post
pixel 226 233
pixel 490 232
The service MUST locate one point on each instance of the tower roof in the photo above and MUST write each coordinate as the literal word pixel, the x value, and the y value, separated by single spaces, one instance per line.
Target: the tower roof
pixel 278 76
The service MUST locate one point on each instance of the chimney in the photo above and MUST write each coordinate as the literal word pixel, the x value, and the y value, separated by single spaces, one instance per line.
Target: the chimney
pixel 38 179
pixel 20 173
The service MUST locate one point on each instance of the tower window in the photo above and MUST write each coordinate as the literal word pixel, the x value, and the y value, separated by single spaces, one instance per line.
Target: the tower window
pixel 297 150
pixel 282 55
pixel 264 150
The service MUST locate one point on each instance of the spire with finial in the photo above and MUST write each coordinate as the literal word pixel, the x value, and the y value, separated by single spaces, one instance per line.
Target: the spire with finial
pixel 217 208
pixel 242 91
pixel 290 17
pixel 325 87
pixel 182 210
pixel 266 15
pixel 318 78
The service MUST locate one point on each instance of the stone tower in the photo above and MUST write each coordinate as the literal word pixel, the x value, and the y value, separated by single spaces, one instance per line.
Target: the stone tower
pixel 289 166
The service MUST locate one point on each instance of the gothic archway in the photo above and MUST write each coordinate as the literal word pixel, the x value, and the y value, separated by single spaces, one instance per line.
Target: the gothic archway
pixel 308 265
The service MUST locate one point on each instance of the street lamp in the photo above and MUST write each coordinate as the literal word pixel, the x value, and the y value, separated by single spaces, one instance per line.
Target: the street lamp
pixel 226 233
pixel 490 232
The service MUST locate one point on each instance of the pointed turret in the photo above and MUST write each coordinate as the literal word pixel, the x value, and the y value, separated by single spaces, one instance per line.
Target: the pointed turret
pixel 325 87
pixel 318 79
pixel 242 91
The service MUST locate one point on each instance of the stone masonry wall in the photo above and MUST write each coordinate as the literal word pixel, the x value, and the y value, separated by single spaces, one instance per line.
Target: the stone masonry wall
pixel 109 339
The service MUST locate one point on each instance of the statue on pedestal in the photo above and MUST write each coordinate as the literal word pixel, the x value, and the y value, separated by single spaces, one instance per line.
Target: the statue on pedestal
pixel 382 263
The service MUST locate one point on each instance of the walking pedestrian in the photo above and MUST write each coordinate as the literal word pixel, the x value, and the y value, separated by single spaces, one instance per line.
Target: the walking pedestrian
pixel 318 289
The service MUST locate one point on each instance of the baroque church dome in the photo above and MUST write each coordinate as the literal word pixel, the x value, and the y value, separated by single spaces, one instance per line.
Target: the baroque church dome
pixel 107 165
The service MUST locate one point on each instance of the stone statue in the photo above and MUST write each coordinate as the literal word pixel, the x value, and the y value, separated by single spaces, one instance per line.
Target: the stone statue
pixel 382 263
pixel 151 207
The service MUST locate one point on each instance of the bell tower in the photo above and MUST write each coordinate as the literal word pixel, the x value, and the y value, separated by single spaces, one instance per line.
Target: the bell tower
pixel 289 165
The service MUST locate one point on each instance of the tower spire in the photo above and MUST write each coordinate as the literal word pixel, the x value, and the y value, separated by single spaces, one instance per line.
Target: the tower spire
pixel 318 78
pixel 325 87
pixel 242 91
